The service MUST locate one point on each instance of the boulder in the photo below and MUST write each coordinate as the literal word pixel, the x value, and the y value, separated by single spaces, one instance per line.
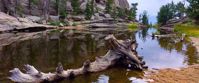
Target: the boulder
pixel 101 25
pixel 83 5
pixel 107 15
pixel 100 7
pixel 77 18
pixel 97 16
pixel 9 23
pixel 68 6
pixel 54 18
pixel 34 19
pixel 122 4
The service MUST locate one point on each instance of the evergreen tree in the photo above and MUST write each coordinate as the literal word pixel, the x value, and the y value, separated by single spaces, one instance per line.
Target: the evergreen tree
pixel 120 12
pixel 57 6
pixel 109 6
pixel 61 8
pixel 193 10
pixel 180 9
pixel 76 6
pixel 92 6
pixel 88 11
pixel 145 20
pixel 133 11
pixel 166 12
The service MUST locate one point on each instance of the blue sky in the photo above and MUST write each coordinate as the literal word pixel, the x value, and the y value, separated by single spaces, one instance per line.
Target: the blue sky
pixel 151 6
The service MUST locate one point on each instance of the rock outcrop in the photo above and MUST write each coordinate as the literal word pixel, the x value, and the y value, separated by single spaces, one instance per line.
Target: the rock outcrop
pixel 169 26
pixel 8 23
pixel 23 6
pixel 122 4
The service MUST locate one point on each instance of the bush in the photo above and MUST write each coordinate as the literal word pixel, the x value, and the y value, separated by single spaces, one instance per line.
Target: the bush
pixel 74 24
pixel 133 26
pixel 188 28
pixel 57 23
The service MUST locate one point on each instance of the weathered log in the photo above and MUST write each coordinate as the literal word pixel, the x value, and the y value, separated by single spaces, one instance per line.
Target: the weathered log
pixel 118 49
pixel 165 35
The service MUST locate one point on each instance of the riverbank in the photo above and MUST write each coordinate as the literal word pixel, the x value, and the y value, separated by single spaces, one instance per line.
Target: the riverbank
pixel 190 29
pixel 183 75
pixel 189 74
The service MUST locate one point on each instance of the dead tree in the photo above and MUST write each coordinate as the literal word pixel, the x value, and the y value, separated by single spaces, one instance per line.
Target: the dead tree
pixel 46 4
pixel 120 52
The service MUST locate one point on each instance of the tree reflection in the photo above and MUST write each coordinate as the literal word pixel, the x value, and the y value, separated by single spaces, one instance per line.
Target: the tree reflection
pixel 143 34
pixel 182 47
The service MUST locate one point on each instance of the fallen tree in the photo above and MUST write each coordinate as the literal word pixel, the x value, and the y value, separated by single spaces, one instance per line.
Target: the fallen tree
pixel 122 52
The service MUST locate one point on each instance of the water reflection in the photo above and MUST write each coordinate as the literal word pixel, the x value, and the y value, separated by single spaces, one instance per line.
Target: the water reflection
pixel 46 52
pixel 72 50
pixel 165 52
pixel 143 34
pixel 102 79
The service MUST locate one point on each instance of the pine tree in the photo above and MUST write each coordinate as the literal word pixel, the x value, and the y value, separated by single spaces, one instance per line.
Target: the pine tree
pixel 132 13
pixel 76 6
pixel 88 11
pixel 166 13
pixel 193 10
pixel 145 20
pixel 62 8
pixel 109 6
pixel 92 6
pixel 180 9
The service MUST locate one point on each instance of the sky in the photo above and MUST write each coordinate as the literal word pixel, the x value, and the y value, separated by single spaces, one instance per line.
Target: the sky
pixel 151 6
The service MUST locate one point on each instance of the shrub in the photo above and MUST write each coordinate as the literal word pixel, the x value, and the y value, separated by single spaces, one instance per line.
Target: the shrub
pixel 133 26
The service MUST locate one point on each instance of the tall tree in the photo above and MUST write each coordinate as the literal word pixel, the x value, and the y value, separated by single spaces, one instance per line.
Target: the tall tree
pixel 30 4
pixel 166 13
pixel 92 6
pixel 133 10
pixel 180 9
pixel 193 10
pixel 145 20
pixel 88 11
pixel 120 12
pixel 62 9
pixel 46 9
pixel 57 2
pixel 76 6
pixel 109 6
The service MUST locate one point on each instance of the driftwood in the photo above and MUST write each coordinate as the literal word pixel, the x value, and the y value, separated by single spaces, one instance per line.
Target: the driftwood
pixel 181 38
pixel 163 36
pixel 122 52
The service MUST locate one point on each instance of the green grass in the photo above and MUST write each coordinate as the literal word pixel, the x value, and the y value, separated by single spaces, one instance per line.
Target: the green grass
pixel 133 26
pixel 188 28
pixel 57 23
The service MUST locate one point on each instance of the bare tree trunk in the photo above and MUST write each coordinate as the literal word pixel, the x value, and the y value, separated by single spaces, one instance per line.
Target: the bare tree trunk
pixel 122 52
pixel 46 4
pixel 30 6
pixel 16 7
pixel 57 6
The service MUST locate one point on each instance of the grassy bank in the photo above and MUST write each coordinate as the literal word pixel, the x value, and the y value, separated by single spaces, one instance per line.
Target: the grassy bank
pixel 133 26
pixel 188 28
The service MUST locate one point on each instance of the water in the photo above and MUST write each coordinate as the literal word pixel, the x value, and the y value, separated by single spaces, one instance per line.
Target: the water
pixel 45 54
pixel 164 52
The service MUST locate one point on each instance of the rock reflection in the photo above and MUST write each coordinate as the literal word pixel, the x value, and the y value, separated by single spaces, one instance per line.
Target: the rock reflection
pixel 71 49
